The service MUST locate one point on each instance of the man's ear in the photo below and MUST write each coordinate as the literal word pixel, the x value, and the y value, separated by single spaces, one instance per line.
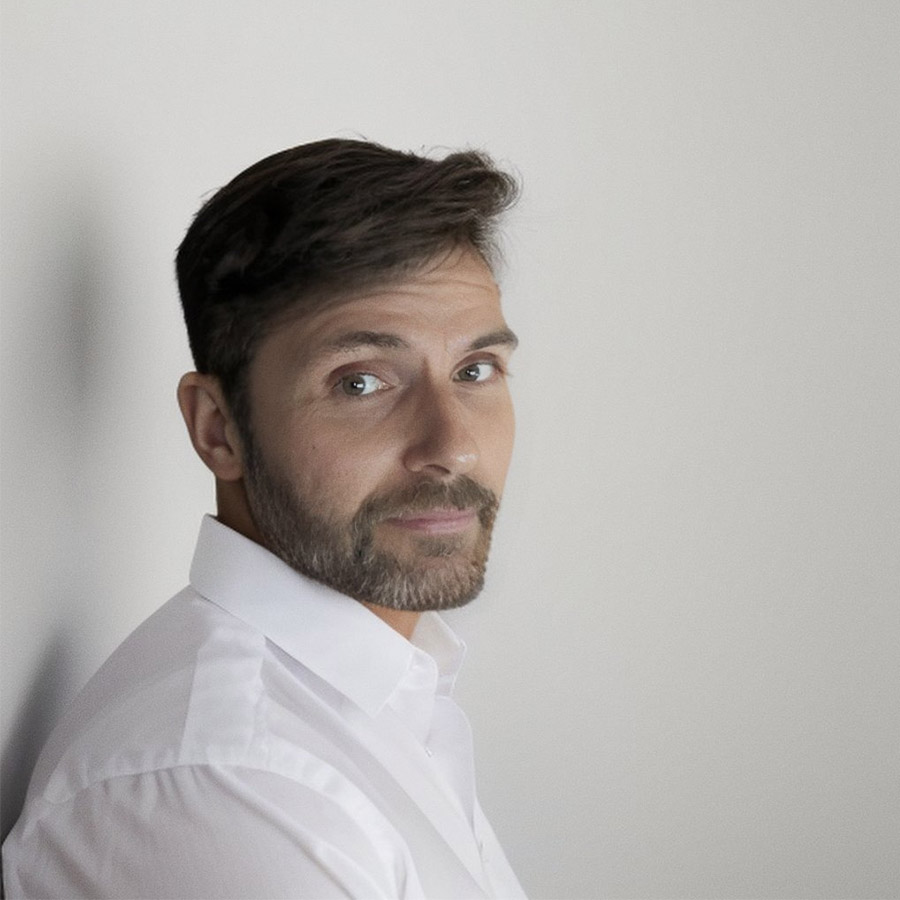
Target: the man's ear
pixel 213 431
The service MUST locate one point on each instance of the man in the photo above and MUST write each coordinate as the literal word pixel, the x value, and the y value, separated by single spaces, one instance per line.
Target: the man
pixel 284 726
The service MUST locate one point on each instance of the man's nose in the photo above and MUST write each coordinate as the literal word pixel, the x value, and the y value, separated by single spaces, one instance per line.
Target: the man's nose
pixel 441 442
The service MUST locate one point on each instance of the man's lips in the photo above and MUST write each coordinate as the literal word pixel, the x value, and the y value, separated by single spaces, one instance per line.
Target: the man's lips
pixel 435 521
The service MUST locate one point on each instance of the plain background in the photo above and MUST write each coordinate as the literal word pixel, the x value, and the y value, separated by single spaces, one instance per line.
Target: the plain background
pixel 683 675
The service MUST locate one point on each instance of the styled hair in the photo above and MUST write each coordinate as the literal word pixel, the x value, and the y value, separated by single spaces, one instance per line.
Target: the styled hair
pixel 316 221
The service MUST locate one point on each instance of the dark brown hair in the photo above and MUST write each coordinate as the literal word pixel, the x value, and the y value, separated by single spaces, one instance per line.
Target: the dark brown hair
pixel 315 221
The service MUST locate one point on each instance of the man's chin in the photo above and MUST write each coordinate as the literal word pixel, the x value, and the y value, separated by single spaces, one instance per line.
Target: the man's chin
pixel 426 551
pixel 439 574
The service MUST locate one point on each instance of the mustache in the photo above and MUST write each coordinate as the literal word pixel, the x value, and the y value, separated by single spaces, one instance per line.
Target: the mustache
pixel 462 493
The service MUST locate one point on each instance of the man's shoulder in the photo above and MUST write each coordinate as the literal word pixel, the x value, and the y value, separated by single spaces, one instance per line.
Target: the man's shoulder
pixel 197 738
pixel 192 685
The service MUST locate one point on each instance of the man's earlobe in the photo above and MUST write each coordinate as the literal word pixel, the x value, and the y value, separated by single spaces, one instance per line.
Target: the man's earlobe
pixel 210 425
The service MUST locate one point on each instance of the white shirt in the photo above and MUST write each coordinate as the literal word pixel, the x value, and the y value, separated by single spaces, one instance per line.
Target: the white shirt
pixel 261 736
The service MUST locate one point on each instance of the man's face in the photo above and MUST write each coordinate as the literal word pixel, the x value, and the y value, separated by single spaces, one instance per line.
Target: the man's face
pixel 382 429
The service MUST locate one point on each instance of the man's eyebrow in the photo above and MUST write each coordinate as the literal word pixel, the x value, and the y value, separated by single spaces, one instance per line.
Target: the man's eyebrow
pixel 500 336
pixel 353 340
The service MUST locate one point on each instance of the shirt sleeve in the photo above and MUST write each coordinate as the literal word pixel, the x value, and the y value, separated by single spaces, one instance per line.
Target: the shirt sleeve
pixel 213 832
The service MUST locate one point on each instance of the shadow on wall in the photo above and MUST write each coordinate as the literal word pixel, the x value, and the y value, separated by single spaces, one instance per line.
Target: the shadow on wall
pixel 58 302
pixel 38 712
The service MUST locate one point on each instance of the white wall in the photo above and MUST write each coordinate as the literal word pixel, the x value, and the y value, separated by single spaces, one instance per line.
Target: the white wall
pixel 684 673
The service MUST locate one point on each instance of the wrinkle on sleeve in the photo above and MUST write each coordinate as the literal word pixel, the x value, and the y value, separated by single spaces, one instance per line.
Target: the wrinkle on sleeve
pixel 212 832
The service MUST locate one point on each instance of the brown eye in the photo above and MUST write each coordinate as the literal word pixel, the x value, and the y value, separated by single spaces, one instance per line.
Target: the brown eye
pixel 480 371
pixel 359 384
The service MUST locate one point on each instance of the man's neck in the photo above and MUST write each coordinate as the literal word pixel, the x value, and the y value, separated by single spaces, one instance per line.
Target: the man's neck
pixel 402 621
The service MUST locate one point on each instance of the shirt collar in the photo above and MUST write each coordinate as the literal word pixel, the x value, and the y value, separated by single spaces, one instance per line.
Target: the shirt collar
pixel 331 634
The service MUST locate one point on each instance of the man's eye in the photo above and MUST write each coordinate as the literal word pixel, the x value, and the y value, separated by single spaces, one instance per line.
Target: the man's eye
pixel 480 371
pixel 359 384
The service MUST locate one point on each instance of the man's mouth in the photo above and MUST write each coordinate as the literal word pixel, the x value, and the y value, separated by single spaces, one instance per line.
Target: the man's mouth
pixel 435 521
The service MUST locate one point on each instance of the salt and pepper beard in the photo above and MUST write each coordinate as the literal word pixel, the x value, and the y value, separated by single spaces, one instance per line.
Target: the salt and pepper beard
pixel 343 555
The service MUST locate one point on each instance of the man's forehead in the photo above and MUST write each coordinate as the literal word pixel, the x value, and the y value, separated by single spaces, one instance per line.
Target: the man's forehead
pixel 460 270
pixel 457 296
